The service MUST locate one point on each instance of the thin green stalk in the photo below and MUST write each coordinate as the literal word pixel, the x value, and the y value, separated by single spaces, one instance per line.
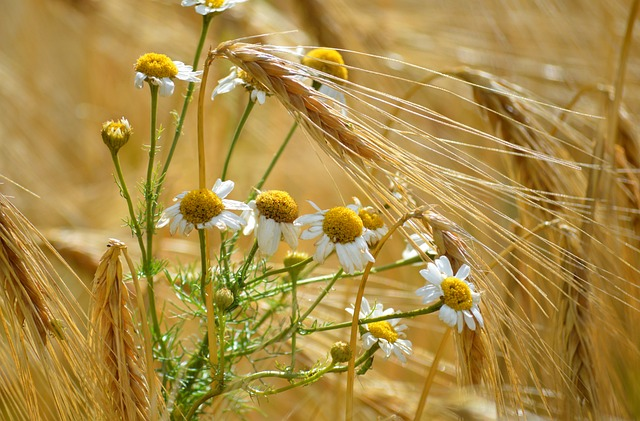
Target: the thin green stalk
pixel 293 327
pixel 236 136
pixel 281 270
pixel 399 315
pixel 221 329
pixel 241 382
pixel 322 278
pixel 323 294
pixel 247 263
pixel 274 160
pixel 150 200
pixel 127 197
pixel 294 316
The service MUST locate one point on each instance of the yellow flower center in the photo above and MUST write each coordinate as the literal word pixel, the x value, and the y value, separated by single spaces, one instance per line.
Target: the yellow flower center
pixel 342 225
pixel 370 219
pixel 326 60
pixel 156 65
pixel 215 3
pixel 277 205
pixel 383 330
pixel 249 80
pixel 457 294
pixel 199 206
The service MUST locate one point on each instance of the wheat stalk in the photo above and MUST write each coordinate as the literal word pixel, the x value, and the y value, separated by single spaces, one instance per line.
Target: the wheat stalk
pixel 49 372
pixel 116 341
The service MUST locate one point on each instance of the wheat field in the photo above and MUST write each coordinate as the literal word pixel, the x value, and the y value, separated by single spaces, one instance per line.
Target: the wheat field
pixel 510 127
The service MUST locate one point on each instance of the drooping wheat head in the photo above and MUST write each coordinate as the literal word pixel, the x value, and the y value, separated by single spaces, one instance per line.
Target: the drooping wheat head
pixel 116 341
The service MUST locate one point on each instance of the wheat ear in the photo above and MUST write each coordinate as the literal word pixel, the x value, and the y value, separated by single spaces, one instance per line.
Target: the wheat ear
pixel 575 338
pixel 116 342
pixel 48 370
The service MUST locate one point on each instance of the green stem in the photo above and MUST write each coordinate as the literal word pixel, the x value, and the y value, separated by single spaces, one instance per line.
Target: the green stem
pixel 150 220
pixel 127 197
pixel 221 329
pixel 236 136
pixel 322 278
pixel 247 263
pixel 281 270
pixel 294 316
pixel 399 315
pixel 241 382
pixel 323 294
pixel 274 160
pixel 294 326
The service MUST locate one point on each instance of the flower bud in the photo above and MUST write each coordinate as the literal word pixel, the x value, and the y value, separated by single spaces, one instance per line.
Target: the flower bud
pixel 115 134
pixel 340 352
pixel 223 298
pixel 293 258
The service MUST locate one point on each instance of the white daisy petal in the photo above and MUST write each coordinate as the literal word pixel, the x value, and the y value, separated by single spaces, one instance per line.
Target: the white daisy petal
pixel 368 340
pixel 235 205
pixel 463 272
pixel 290 234
pixel 165 87
pixel 444 265
pixel 139 80
pixel 324 249
pixel 223 188
pixel 268 235
pixel 448 315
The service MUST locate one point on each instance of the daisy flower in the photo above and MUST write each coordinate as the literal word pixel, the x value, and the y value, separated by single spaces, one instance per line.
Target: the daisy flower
pixel 205 7
pixel 160 70
pixel 202 209
pixel 374 227
pixel 327 61
pixel 460 301
pixel 272 215
pixel 386 333
pixel 239 77
pixel 341 229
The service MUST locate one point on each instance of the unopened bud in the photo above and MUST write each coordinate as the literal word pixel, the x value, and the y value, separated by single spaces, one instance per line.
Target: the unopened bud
pixel 293 258
pixel 115 134
pixel 223 298
pixel 340 352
